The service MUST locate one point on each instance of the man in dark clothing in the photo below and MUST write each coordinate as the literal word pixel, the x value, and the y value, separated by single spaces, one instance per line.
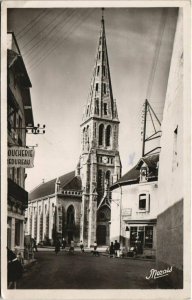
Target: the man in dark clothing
pixel 116 248
pixel 14 269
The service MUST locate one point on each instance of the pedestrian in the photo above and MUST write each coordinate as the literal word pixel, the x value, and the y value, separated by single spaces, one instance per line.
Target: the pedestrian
pixel 72 247
pixel 14 269
pixel 95 252
pixel 117 248
pixel 57 246
pixel 111 250
pixel 64 243
pixel 81 246
pixel 34 244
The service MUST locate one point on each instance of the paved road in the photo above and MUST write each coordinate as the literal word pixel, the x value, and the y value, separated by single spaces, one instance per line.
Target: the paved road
pixel 84 271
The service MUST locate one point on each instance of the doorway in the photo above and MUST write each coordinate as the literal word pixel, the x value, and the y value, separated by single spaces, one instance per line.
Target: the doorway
pixel 101 235
pixel 70 236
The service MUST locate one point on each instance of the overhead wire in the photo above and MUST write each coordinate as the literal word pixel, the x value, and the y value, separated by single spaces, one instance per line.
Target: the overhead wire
pixel 68 23
pixel 157 51
pixel 33 22
pixel 44 28
pixel 61 42
pixel 39 43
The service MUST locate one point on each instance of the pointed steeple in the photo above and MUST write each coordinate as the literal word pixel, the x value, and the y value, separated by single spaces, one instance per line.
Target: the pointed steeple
pixel 100 101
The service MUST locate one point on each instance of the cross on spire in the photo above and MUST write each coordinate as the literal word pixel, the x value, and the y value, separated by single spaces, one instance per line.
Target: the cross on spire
pixel 102 13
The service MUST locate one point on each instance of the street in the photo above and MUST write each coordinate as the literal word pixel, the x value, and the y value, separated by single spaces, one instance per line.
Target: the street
pixel 84 271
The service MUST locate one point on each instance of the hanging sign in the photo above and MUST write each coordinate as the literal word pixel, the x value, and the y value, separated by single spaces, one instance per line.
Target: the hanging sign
pixel 20 157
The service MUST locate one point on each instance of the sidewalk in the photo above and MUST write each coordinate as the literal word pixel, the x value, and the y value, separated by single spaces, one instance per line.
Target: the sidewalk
pixel 101 250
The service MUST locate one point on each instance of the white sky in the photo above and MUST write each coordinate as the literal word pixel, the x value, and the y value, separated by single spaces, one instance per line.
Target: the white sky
pixel 59 53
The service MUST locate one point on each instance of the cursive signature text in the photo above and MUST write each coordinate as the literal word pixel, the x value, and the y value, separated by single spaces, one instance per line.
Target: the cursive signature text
pixel 154 274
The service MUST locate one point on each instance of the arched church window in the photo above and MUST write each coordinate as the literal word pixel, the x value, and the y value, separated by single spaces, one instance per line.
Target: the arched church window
pixel 104 88
pixel 97 106
pixel 101 129
pixel 83 138
pixel 71 215
pixel 108 135
pixel 87 138
pixel 108 177
pixel 103 70
pixel 105 108
pixel 98 68
pixel 100 180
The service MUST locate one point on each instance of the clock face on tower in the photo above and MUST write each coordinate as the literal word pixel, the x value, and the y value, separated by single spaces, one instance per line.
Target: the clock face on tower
pixel 104 159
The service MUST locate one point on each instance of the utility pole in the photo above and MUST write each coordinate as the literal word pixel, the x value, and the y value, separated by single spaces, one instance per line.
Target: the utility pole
pixel 144 127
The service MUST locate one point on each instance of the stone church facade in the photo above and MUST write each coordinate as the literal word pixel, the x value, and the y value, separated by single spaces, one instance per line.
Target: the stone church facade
pixel 99 166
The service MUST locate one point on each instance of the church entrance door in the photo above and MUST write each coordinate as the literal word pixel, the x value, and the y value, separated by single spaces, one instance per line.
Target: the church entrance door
pixel 70 236
pixel 101 235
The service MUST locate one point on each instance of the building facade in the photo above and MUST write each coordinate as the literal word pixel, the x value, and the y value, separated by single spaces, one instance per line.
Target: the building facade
pixel 54 210
pixel 171 184
pixel 99 164
pixel 134 207
pixel 98 167
pixel 20 116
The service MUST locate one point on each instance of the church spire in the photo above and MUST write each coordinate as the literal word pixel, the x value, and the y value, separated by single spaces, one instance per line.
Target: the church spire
pixel 100 102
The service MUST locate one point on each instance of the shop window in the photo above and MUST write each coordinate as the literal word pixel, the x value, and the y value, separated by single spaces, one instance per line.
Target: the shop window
pixel 149 236
pixel 133 236
pixel 142 237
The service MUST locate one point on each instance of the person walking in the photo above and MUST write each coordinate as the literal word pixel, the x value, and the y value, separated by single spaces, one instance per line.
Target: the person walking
pixel 64 243
pixel 95 252
pixel 34 244
pixel 72 247
pixel 117 248
pixel 81 246
pixel 57 246
pixel 111 250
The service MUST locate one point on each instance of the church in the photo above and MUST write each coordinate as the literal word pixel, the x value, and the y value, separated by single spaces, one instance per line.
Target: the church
pixel 78 204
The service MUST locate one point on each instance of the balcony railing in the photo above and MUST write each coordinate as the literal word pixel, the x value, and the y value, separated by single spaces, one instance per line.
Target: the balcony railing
pixel 18 193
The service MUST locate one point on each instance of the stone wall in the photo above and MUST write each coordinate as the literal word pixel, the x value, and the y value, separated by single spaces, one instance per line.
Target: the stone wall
pixel 170 244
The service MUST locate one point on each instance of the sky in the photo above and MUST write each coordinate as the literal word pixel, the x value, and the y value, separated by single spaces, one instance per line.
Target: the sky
pixel 59 45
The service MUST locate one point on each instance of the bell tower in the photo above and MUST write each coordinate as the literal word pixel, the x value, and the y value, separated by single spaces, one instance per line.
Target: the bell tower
pixel 99 164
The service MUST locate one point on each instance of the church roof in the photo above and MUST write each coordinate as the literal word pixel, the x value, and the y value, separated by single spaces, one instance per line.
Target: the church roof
pixel 133 175
pixel 68 182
